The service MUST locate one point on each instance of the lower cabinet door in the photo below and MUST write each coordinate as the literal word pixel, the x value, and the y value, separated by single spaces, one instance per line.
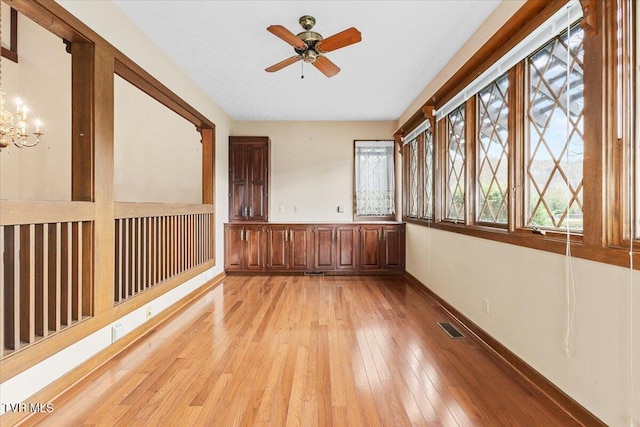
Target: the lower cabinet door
pixel 393 247
pixel 299 248
pixel 253 248
pixel 324 258
pixel 370 251
pixel 346 248
pixel 233 248
pixel 277 248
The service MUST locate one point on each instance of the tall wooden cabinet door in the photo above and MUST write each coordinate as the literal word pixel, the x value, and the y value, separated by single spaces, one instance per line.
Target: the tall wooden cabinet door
pixel 370 251
pixel 324 249
pixel 346 247
pixel 393 246
pixel 238 208
pixel 233 248
pixel 253 248
pixel 277 248
pixel 299 246
pixel 258 165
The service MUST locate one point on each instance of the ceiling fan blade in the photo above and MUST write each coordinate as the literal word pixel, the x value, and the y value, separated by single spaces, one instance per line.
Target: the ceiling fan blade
pixel 287 36
pixel 280 65
pixel 326 67
pixel 341 39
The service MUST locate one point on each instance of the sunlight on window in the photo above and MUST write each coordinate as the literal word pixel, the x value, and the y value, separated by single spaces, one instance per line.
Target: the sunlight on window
pixel 555 149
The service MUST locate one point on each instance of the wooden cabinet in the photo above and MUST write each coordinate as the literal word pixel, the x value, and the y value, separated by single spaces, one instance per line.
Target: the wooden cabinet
pixel 243 247
pixel 335 248
pixel 248 178
pixel 353 248
pixel 382 247
pixel 288 248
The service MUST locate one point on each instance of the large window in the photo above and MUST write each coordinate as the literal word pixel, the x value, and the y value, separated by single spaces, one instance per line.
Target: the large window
pixel 375 180
pixel 538 147
pixel 427 169
pixel 492 173
pixel 554 148
pixel 455 165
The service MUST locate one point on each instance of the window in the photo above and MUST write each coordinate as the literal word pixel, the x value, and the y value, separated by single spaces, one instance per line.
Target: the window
pixel 455 165
pixel 555 152
pixel 541 143
pixel 492 148
pixel 427 168
pixel 374 180
pixel 411 150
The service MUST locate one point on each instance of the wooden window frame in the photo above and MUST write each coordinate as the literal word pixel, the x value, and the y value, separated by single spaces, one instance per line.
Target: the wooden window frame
pixel 605 236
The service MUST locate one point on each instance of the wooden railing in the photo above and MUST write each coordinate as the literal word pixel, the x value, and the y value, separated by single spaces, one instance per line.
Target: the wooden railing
pixel 45 269
pixel 155 242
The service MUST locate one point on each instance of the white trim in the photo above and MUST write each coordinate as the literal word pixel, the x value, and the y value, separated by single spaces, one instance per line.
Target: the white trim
pixel 417 131
pixel 551 28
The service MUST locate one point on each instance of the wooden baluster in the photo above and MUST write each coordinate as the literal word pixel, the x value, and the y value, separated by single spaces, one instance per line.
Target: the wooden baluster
pixel 138 264
pixel 117 282
pixel 145 251
pixel 163 249
pixel 65 261
pixel 87 270
pixel 154 251
pixel 11 296
pixel 3 281
pixel 76 272
pixel 174 243
pixel 126 261
pixel 192 249
pixel 55 276
pixel 41 276
pixel 27 283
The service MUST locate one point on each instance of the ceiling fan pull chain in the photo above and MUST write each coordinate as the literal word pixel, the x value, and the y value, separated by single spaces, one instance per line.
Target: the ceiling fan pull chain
pixel 302 72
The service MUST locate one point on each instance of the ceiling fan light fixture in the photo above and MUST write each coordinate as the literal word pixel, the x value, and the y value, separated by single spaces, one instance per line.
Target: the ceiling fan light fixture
pixel 310 56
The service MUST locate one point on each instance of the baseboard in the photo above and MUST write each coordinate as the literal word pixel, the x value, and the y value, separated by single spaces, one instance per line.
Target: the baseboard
pixel 566 402
pixel 61 385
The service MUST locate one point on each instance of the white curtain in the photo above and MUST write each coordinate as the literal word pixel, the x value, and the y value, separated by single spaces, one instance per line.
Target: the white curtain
pixel 375 183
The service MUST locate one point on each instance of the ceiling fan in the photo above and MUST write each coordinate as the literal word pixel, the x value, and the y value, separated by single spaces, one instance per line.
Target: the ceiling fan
pixel 311 46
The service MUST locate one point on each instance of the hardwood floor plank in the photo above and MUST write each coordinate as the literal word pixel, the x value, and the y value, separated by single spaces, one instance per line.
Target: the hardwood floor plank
pixel 311 351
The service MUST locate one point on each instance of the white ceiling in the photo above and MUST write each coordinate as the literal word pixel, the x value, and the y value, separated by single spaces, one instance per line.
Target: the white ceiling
pixel 224 46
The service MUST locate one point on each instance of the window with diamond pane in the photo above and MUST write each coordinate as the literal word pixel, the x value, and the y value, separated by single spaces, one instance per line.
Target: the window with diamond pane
pixel 554 152
pixel 455 165
pixel 375 178
pixel 427 167
pixel 492 164
pixel 412 179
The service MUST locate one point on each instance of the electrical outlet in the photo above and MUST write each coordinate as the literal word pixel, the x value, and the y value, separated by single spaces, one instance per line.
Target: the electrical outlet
pixel 149 312
pixel 117 331
pixel 485 305
pixel 340 209
pixel 281 209
pixel 296 209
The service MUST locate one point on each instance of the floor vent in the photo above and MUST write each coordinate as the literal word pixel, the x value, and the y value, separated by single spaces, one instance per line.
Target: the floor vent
pixel 313 273
pixel 450 330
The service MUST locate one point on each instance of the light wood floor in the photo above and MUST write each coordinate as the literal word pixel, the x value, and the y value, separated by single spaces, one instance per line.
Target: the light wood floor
pixel 294 350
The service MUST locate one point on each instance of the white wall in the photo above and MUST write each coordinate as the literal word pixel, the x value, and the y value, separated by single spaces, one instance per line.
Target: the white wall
pixel 42 80
pixel 312 166
pixel 527 295
pixel 157 153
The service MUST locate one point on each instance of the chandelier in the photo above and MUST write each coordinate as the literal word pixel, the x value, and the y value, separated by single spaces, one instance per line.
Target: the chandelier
pixel 13 127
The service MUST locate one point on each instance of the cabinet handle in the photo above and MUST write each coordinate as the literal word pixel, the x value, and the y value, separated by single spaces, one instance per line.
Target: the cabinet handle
pixel 251 211
pixel 288 235
pixel 246 235
pixel 244 211
pixel 242 234
pixel 379 239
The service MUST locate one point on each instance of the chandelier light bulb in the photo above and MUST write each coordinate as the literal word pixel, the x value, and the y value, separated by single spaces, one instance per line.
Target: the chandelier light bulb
pixel 13 128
